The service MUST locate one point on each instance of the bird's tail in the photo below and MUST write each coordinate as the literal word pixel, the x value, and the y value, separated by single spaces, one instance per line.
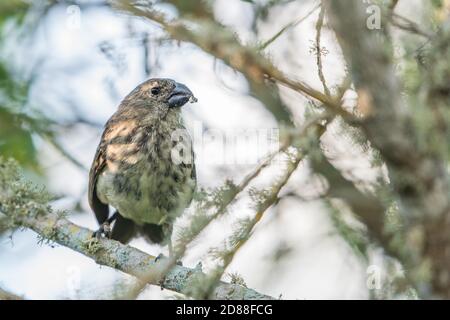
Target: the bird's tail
pixel 153 232
pixel 125 229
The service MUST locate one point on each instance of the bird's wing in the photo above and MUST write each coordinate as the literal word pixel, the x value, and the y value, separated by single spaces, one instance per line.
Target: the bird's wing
pixel 194 169
pixel 100 209
pixel 193 174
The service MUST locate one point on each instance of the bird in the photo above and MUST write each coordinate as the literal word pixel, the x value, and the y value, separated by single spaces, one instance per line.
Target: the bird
pixel 144 165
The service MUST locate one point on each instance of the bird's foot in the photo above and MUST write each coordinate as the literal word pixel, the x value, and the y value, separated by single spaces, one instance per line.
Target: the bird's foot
pixel 105 229
pixel 161 256
pixel 158 257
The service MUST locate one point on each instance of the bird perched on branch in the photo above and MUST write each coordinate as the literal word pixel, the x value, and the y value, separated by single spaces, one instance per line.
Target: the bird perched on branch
pixel 144 165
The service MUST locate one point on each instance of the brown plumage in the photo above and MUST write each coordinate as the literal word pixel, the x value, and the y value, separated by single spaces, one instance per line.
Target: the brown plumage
pixel 139 169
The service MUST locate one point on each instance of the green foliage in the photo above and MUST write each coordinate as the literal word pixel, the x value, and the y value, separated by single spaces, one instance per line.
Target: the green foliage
pixel 15 140
pixel 411 75
pixel 17 125
pixel 220 195
pixel 437 4
pixel 19 198
pixel 215 200
pixel 13 9
pixel 236 278
pixel 355 237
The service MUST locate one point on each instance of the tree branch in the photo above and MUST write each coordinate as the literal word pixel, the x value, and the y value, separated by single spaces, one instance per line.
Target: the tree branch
pixel 202 221
pixel 220 42
pixel 407 25
pixel 125 258
pixel 290 25
pixel 418 173
pixel 318 51
pixel 18 203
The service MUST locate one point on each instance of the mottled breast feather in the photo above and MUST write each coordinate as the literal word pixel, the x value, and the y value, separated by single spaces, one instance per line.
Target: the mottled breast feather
pixel 137 175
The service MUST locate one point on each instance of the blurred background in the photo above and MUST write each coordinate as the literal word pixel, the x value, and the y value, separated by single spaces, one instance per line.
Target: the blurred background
pixel 66 65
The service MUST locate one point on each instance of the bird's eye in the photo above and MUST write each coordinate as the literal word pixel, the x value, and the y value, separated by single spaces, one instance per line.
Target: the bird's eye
pixel 155 91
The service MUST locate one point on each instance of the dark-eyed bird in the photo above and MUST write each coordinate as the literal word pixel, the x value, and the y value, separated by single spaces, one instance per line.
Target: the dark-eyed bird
pixel 144 165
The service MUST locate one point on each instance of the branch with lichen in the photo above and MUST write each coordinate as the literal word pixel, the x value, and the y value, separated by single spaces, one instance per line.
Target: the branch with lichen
pixel 264 199
pixel 217 40
pixel 417 165
pixel 25 205
pixel 245 227
pixel 218 201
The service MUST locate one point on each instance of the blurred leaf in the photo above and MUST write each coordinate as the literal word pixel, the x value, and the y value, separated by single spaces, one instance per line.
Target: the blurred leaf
pixel 195 8
pixel 437 3
pixel 16 128
pixel 13 9
pixel 15 141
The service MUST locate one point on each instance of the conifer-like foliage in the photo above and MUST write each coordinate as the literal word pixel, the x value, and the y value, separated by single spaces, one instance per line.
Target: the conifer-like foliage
pixel 396 71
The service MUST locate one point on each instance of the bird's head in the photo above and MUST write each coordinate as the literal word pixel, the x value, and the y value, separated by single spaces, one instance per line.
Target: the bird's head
pixel 161 93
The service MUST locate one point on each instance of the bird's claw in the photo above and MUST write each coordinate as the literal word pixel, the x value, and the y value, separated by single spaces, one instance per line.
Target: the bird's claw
pixel 158 257
pixel 105 229
pixel 161 256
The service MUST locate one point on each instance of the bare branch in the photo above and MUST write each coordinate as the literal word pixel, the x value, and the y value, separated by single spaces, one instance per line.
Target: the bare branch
pixel 405 24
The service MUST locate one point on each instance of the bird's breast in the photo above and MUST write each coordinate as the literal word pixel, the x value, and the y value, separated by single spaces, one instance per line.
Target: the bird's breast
pixel 141 178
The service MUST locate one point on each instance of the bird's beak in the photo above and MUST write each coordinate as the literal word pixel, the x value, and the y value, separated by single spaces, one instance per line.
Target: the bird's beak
pixel 180 96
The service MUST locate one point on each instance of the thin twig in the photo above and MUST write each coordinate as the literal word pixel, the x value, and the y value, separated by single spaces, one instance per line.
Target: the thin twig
pixel 408 25
pixel 319 26
pixel 180 248
pixel 64 152
pixel 249 227
pixel 290 25
pixel 245 59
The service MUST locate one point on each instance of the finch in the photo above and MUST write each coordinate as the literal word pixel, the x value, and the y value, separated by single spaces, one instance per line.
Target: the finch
pixel 139 168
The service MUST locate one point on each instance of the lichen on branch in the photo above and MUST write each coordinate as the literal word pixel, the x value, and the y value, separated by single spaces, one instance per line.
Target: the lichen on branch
pixel 25 205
